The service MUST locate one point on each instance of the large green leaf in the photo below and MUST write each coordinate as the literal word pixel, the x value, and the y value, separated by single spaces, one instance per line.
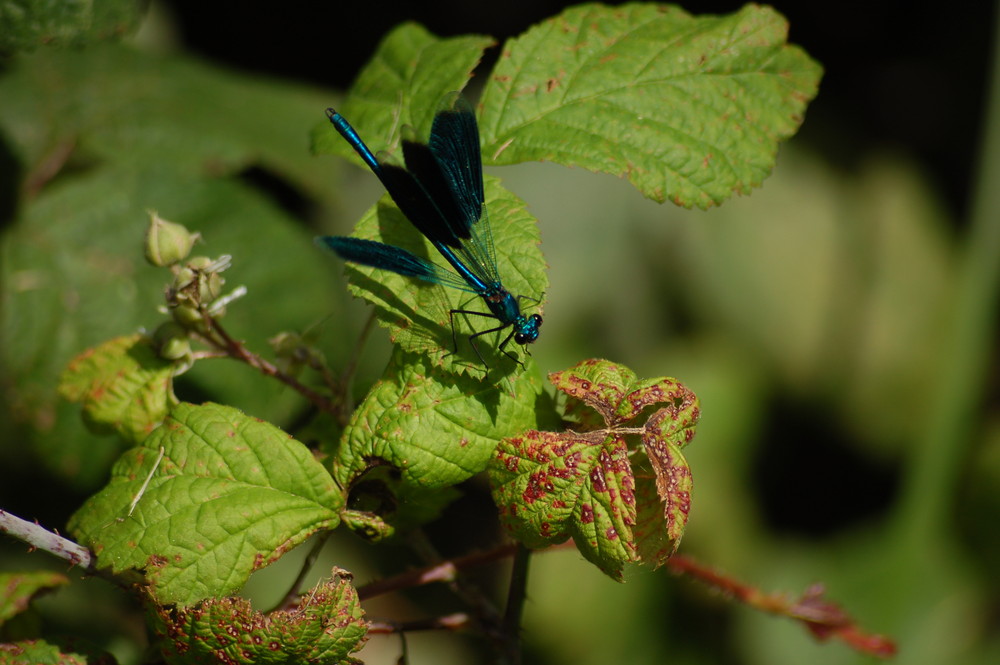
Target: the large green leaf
pixel 435 428
pixel 230 494
pixel 27 24
pixel 402 85
pixel 689 109
pixel 115 104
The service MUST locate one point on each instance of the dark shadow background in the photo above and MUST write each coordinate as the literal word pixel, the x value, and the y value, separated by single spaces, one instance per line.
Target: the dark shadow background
pixel 904 75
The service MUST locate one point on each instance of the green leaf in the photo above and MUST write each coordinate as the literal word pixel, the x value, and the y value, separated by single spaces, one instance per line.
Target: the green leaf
pixel 689 109
pixel 584 485
pixel 402 85
pixel 27 24
pixel 115 105
pixel 434 429
pixel 230 494
pixel 19 589
pixel 324 628
pixel 417 313
pixel 123 384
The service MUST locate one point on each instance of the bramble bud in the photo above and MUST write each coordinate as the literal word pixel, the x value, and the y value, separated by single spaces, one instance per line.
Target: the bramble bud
pixel 167 242
pixel 286 344
pixel 210 287
pixel 172 341
pixel 187 315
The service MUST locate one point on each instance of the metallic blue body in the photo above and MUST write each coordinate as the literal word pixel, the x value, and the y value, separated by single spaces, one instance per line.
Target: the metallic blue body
pixel 441 192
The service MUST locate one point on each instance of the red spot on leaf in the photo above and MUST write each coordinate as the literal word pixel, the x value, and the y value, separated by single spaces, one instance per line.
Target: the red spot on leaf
pixel 538 486
pixel 586 513
pixel 572 461
pixel 597 479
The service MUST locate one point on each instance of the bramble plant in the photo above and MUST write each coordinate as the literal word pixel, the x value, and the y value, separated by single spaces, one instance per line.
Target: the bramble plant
pixel 689 109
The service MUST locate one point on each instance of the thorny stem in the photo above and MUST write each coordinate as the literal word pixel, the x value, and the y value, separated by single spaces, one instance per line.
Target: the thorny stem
pixel 41 538
pixel 48 541
pixel 821 617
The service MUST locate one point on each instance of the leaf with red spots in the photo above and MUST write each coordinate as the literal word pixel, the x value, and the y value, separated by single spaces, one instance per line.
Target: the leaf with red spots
pixel 324 628
pixel 40 652
pixel 18 589
pixel 421 430
pixel 553 486
pixel 598 384
pixel 666 431
pixel 550 486
pixel 689 109
pixel 230 494
pixel 123 386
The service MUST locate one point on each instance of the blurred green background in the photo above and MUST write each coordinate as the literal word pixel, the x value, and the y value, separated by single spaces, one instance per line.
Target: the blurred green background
pixel 838 324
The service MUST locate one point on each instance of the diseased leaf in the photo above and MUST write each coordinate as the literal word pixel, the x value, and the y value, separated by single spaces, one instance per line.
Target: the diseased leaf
pixel 230 494
pixel 40 652
pixel 18 589
pixel 123 385
pixel 401 85
pixel 666 431
pixel 550 486
pixel 689 108
pixel 324 628
pixel 598 384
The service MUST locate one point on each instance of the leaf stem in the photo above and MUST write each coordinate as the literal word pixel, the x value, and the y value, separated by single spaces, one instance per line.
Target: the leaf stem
pixel 454 621
pixel 238 351
pixel 344 386
pixel 516 595
pixel 291 597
